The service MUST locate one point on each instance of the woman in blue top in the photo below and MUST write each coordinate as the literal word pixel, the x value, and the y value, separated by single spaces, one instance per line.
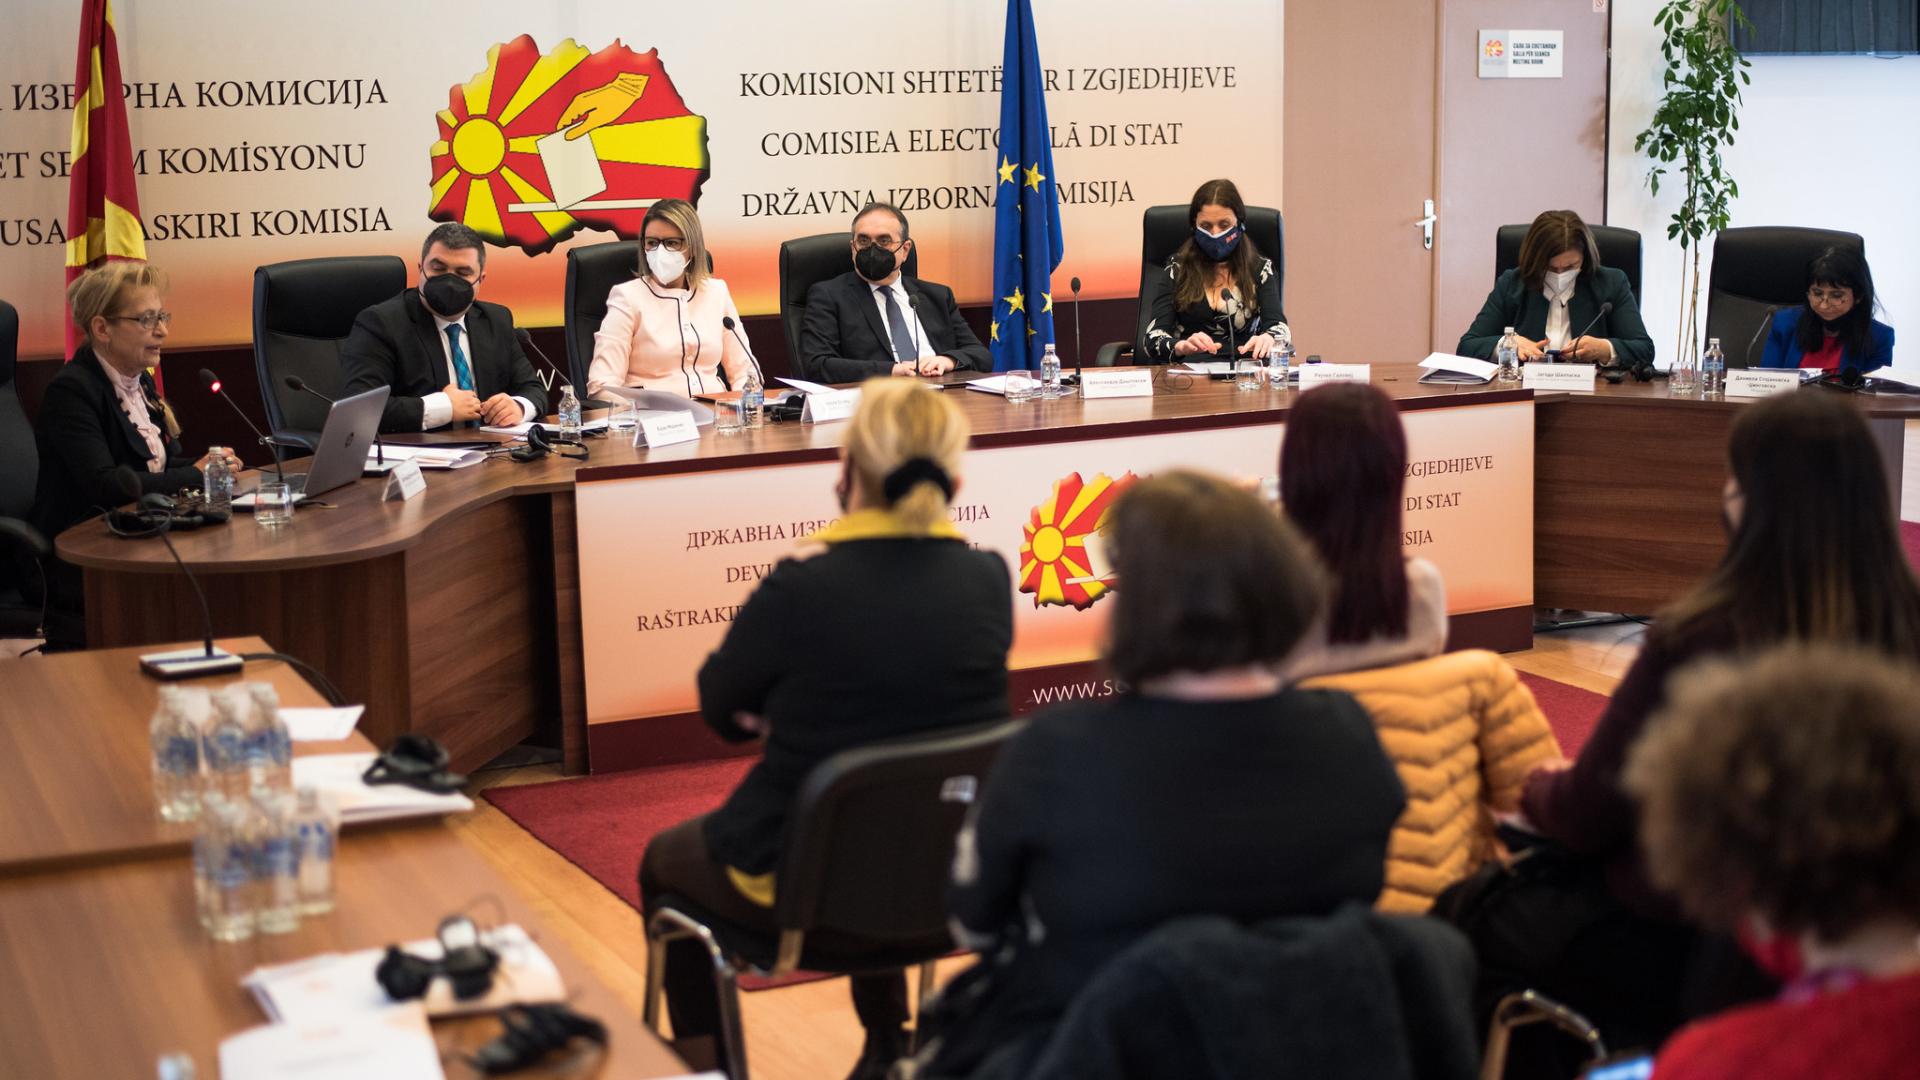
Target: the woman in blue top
pixel 1835 329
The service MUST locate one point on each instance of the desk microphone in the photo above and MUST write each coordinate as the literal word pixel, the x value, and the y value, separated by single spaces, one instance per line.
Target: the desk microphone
pixel 758 372
pixel 527 340
pixel 1765 321
pixel 913 327
pixel 1078 357
pixel 1591 323
pixel 156 515
pixel 1231 305
pixel 299 386
pixel 212 382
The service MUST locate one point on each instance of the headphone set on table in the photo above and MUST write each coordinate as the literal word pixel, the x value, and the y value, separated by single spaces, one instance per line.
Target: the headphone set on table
pixel 539 446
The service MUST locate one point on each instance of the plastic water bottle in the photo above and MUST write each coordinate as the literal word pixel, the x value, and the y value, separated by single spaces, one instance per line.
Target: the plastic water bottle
pixel 276 864
pixel 569 414
pixel 223 871
pixel 1507 356
pixel 1713 369
pixel 223 748
pixel 1281 368
pixel 1684 374
pixel 753 401
pixel 269 747
pixel 176 1066
pixel 1050 373
pixel 175 736
pixel 219 480
pixel 314 834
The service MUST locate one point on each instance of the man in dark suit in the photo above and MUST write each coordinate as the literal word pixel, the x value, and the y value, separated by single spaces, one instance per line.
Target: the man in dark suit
pixel 873 320
pixel 449 358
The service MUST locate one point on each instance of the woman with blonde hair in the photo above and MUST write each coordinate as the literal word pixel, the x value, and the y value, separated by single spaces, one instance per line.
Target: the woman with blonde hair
pixel 667 328
pixel 885 623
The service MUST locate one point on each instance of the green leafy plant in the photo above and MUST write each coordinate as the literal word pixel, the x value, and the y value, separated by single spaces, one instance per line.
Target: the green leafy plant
pixel 1696 120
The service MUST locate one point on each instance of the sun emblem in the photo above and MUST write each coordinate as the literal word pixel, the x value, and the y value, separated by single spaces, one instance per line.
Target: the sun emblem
pixel 535 148
pixel 1062 559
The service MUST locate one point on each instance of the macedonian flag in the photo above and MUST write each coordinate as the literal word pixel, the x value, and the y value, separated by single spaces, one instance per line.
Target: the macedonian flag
pixel 103 213
pixel 1059 546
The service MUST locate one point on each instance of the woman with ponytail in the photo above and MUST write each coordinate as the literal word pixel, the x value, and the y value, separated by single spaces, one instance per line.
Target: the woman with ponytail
pixel 885 623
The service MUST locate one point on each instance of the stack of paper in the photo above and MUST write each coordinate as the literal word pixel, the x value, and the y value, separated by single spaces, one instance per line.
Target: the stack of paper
pixel 392 1042
pixel 333 987
pixel 1448 368
pixel 321 724
pixel 338 779
pixel 430 457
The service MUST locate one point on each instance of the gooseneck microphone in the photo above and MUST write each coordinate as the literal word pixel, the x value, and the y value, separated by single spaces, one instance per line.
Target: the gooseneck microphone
pixel 1078 358
pixel 156 512
pixel 527 340
pixel 1228 302
pixel 1765 321
pixel 299 386
pixel 1593 322
pixel 913 326
pixel 758 371
pixel 212 382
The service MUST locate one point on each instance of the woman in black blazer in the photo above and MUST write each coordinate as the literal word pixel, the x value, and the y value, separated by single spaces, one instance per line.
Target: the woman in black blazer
pixel 1190 316
pixel 102 415
pixel 1554 294
pixel 884 624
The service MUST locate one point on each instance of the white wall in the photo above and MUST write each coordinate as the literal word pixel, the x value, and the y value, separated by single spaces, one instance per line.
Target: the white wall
pixel 1825 141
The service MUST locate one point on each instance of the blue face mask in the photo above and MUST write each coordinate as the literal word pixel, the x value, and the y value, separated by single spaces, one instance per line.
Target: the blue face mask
pixel 1219 247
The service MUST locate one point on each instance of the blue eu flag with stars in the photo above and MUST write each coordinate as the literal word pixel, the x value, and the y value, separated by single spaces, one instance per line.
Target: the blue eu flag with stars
pixel 1027 246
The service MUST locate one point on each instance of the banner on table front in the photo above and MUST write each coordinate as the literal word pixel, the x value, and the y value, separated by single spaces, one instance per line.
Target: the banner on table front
pixel 666 561
pixel 264 132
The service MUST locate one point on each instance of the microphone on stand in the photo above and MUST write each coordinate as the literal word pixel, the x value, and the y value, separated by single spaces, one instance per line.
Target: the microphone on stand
pixel 1765 321
pixel 1231 305
pixel 1591 323
pixel 527 340
pixel 212 382
pixel 1078 356
pixel 183 663
pixel 913 326
pixel 758 371
pixel 380 467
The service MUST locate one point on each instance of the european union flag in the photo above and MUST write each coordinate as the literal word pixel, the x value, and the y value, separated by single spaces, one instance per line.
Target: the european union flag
pixel 1027 246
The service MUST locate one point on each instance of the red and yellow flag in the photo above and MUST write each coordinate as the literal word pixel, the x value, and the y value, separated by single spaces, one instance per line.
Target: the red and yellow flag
pixel 103 212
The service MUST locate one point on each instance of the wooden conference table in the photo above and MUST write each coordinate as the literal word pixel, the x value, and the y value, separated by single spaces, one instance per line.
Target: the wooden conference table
pixel 457 614
pixel 99 938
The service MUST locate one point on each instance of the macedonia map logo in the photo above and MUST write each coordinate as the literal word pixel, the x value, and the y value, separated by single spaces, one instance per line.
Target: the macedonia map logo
pixel 535 148
pixel 1496 48
pixel 1062 559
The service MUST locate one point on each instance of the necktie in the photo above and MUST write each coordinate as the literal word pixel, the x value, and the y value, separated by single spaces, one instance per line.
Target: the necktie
pixel 462 374
pixel 905 350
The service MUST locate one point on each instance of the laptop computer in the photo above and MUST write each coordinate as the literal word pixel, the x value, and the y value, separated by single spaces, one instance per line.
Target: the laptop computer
pixel 341 454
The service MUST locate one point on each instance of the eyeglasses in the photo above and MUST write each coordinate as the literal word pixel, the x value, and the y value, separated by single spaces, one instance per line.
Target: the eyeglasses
pixel 654 243
pixel 147 319
pixel 1829 296
pixel 884 243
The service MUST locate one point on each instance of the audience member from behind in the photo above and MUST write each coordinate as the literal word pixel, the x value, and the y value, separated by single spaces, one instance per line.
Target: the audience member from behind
pixel 667 329
pixel 1207 787
pixel 1554 296
pixel 1343 466
pixel 1813 555
pixel 102 416
pixel 1191 317
pixel 886 623
pixel 1780 799
pixel 1834 330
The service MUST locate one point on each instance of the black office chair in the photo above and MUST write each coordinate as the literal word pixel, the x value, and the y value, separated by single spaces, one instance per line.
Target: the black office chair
pixel 804 263
pixel 862 877
pixel 1162 230
pixel 302 313
pixel 592 272
pixel 23 551
pixel 1619 248
pixel 1759 268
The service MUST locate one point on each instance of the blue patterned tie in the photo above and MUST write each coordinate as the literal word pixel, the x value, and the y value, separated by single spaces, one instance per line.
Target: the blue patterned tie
pixel 905 349
pixel 462 374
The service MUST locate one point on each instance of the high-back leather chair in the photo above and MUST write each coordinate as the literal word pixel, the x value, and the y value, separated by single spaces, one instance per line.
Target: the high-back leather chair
pixel 1758 268
pixel 592 272
pixel 1162 230
pixel 21 545
pixel 804 263
pixel 1619 248
pixel 303 311
pixel 863 872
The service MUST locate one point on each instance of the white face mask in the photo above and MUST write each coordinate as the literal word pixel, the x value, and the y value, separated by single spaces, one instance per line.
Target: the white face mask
pixel 1562 281
pixel 667 266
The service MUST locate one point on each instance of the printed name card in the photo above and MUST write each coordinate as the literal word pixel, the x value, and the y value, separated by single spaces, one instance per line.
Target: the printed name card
pixel 404 481
pixel 1751 383
pixel 1312 375
pixel 1576 377
pixel 1127 382
pixel 665 429
pixel 830 405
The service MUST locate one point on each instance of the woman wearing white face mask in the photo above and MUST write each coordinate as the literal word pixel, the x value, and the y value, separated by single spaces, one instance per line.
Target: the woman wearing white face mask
pixel 1191 316
pixel 1555 294
pixel 666 329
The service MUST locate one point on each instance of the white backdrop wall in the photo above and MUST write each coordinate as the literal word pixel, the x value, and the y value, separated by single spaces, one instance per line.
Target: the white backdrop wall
pixel 1824 141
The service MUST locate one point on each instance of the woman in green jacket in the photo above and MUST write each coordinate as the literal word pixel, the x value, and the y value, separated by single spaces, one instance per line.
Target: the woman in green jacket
pixel 1554 295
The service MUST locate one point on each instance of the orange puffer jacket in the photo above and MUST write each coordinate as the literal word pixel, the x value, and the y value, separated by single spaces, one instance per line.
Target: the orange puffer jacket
pixel 1463 731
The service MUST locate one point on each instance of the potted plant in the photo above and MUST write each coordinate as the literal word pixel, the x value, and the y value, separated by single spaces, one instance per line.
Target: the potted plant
pixel 1695 120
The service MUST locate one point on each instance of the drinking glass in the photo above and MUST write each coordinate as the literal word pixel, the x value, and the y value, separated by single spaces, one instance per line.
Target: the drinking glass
pixel 273 504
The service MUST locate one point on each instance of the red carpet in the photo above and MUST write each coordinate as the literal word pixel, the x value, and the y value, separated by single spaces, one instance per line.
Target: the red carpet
pixel 1571 711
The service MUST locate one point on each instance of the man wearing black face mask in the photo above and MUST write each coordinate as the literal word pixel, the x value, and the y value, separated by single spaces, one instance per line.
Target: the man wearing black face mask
pixel 874 320
pixel 449 358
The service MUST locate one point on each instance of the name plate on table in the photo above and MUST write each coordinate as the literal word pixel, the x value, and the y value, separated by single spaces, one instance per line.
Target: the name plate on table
pixel 1133 382
pixel 1312 375
pixel 830 405
pixel 1750 383
pixel 404 481
pixel 667 429
pixel 1575 377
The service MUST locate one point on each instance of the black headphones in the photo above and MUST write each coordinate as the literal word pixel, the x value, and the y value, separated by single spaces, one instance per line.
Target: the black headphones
pixel 532 1032
pixel 538 446
pixel 156 513
pixel 465 963
pixel 417 762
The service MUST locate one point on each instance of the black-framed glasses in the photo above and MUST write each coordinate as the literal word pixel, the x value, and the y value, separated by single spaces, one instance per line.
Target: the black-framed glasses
pixel 147 319
pixel 655 243
pixel 884 243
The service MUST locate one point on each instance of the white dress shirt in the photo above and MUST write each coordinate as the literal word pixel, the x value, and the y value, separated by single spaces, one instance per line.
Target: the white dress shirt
pixel 436 409
pixel 914 326
pixel 1559 324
